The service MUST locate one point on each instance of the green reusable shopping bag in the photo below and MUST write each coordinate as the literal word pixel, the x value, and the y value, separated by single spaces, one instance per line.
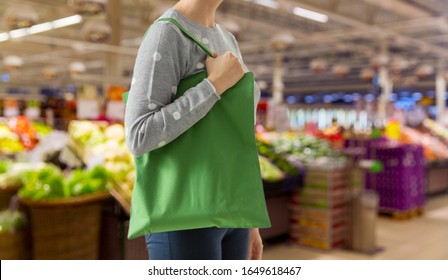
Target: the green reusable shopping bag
pixel 210 175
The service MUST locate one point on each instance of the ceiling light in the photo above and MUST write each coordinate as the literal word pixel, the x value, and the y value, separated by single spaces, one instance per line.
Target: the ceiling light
pixel 267 3
pixel 67 21
pixel 4 36
pixel 12 62
pixel 42 27
pixel 77 67
pixel 18 33
pixel 310 15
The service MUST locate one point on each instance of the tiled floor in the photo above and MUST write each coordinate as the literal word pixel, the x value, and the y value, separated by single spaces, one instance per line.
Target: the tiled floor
pixel 421 238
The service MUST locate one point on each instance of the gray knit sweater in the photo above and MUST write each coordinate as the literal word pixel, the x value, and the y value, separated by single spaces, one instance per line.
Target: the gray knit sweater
pixel 166 56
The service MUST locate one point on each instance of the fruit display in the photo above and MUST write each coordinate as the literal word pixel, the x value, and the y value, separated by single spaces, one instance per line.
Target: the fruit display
pixel 49 183
pixel 81 182
pixel 3 167
pixel 9 141
pixel 304 148
pixel 41 129
pixel 12 174
pixel 270 172
pixel 117 158
pixel 332 134
pixel 433 147
pixel 11 221
pixel 280 154
pixel 279 159
pixel 43 184
pixel 100 140
pixel 19 135
pixel 23 128
pixel 87 133
pixel 436 129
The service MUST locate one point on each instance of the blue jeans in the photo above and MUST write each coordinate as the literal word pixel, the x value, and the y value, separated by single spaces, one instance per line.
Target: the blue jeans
pixel 199 244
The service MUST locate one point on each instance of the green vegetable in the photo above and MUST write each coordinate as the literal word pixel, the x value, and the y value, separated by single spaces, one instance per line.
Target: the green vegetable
pixel 17 173
pixel 119 170
pixel 9 146
pixel 3 167
pixel 75 178
pixel 84 182
pixel 11 221
pixel 279 159
pixel 305 148
pixel 41 129
pixel 86 132
pixel 269 172
pixel 9 180
pixel 48 183
pixel 45 183
pixel 99 172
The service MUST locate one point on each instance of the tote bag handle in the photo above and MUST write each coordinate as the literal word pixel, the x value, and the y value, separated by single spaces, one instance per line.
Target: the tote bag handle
pixel 187 33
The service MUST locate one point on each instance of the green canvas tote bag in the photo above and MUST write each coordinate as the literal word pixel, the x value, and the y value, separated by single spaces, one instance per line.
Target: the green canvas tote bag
pixel 207 177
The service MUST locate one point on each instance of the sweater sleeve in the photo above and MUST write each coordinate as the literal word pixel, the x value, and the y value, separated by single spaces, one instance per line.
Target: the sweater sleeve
pixel 152 118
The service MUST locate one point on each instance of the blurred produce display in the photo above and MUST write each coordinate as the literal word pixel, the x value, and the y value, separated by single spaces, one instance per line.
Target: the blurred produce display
pixel 87 133
pixel 20 134
pixel 294 147
pixel 332 134
pixel 436 129
pixel 100 142
pixel 12 174
pixel 270 172
pixel 304 147
pixel 11 221
pixel 3 167
pixel 81 182
pixel 41 129
pixel 117 158
pixel 49 183
pixel 433 148
pixel 23 128
pixel 279 159
pixel 9 141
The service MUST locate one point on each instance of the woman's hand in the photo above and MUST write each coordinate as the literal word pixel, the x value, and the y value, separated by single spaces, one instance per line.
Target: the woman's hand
pixel 224 71
pixel 255 245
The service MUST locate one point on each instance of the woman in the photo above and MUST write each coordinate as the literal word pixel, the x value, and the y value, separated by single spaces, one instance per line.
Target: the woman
pixel 165 57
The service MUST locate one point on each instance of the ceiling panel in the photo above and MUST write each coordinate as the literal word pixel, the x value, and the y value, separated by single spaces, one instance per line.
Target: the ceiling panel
pixel 352 35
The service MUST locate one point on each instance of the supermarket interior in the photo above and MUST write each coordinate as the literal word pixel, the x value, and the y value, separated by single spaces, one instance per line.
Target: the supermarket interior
pixel 351 127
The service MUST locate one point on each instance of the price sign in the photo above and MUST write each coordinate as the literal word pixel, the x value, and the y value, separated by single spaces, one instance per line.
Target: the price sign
pixel 115 110
pixel 32 113
pixel 87 109
pixel 11 108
